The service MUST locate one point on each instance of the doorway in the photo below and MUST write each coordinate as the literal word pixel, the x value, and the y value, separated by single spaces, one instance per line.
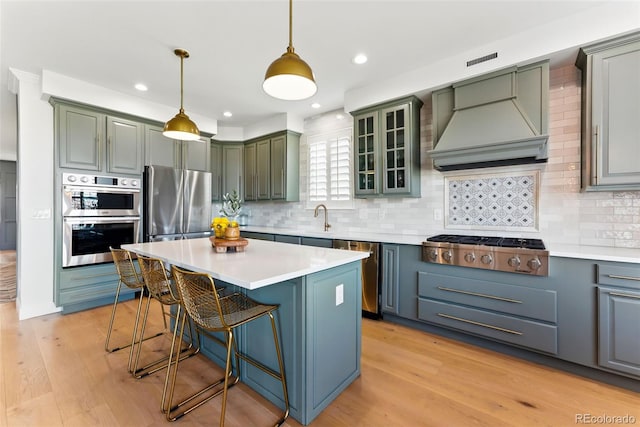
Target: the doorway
pixel 8 223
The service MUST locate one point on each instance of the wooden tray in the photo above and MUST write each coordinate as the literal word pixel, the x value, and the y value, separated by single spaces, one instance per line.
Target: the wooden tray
pixel 224 245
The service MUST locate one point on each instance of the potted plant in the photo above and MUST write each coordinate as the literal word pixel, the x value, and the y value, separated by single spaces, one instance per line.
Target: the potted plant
pixel 231 205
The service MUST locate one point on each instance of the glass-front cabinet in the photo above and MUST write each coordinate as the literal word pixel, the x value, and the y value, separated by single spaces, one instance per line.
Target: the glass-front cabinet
pixel 366 153
pixel 387 152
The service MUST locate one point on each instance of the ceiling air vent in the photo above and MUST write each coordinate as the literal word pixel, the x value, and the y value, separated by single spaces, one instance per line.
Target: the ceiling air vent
pixel 489 57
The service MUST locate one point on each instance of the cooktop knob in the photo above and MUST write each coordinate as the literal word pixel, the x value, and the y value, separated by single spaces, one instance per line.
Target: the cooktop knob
pixel 84 179
pixel 123 181
pixel 486 259
pixel 470 257
pixel 514 261
pixel 134 183
pixel 433 254
pixel 71 178
pixel 446 255
pixel 534 263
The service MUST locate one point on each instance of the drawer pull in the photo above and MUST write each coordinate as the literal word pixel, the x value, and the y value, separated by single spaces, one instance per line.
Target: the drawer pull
pixel 476 294
pixel 497 328
pixel 615 276
pixel 620 294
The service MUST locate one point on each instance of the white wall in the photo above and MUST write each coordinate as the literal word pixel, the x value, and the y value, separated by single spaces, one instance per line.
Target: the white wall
pixel 34 267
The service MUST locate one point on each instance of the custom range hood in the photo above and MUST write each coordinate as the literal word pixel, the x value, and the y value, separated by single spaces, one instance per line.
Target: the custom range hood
pixel 497 119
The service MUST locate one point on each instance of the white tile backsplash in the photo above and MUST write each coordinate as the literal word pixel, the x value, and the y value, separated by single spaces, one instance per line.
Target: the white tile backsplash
pixel 565 215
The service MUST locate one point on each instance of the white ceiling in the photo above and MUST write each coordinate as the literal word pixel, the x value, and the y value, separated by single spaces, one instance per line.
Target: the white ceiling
pixel 116 44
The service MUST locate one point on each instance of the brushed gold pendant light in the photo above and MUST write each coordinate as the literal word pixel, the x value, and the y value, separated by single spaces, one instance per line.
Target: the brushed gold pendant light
pixel 181 126
pixel 289 77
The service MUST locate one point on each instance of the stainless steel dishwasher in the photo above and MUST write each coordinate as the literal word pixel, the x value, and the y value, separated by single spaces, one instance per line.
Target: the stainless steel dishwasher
pixel 370 275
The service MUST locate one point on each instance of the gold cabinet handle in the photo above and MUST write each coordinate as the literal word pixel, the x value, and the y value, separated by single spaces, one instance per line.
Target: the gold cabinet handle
pixel 477 294
pixel 615 276
pixel 484 325
pixel 620 294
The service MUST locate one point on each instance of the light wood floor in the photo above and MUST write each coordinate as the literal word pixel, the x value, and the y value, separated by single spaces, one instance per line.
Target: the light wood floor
pixel 54 371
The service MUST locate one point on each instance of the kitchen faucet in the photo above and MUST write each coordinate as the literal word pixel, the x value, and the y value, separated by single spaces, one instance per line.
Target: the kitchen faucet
pixel 315 215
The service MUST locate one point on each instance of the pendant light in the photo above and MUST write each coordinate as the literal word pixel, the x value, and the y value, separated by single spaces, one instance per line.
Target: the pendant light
pixel 289 77
pixel 181 127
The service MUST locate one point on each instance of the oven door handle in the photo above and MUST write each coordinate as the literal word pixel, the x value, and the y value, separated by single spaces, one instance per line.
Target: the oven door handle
pixel 101 219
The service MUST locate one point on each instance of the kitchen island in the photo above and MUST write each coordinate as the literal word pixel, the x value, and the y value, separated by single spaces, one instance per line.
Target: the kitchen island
pixel 319 316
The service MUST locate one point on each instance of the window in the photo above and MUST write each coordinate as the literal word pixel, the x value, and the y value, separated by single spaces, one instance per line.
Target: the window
pixel 330 169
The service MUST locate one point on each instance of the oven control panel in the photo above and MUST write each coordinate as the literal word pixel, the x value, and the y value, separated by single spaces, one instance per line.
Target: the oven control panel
pixel 99 181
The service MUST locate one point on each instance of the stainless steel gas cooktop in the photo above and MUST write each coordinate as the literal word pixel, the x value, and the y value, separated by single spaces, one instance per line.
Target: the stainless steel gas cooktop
pixel 527 256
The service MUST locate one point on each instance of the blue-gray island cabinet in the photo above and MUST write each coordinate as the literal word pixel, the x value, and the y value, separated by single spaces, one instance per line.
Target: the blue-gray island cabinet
pixel 319 291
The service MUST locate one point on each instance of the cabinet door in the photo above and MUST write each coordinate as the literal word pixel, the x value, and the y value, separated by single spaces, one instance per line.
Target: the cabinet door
pixel 366 154
pixel 619 340
pixel 195 154
pixel 80 134
pixel 232 157
pixel 395 148
pixel 124 141
pixel 216 172
pixel 263 169
pixel 278 168
pixel 616 109
pixel 250 176
pixel 390 278
pixel 160 150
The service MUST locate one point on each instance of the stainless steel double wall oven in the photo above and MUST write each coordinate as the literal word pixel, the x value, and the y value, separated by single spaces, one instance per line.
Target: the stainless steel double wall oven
pixel 98 212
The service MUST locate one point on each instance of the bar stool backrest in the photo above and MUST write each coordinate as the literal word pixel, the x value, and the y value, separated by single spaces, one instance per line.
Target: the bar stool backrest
pixel 127 271
pixel 158 281
pixel 199 297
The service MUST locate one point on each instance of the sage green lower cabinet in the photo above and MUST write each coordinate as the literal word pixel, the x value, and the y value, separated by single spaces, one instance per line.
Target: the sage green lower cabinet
pixel 81 288
pixel 320 340
pixel 316 241
pixel 256 235
pixel 296 240
pixel 580 313
pixel 619 319
pixel 400 266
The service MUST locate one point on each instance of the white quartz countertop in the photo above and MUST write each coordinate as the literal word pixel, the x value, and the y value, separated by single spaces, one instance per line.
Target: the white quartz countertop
pixel 261 264
pixel 599 253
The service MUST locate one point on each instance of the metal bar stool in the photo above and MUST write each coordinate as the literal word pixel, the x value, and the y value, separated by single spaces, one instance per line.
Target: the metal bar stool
pixel 212 312
pixel 160 287
pixel 131 277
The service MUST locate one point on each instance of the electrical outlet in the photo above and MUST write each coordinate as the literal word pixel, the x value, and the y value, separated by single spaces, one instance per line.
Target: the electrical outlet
pixel 339 294
pixel 437 214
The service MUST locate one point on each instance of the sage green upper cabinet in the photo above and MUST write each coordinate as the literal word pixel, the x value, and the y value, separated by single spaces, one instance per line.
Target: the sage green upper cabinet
pixel 91 140
pixel 163 151
pixel 160 150
pixel 610 112
pixel 232 161
pixel 285 167
pixel 215 164
pixel 80 137
pixel 250 174
pixel 263 167
pixel 271 167
pixel 387 149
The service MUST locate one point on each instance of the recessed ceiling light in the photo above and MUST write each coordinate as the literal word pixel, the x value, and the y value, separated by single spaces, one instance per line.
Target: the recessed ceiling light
pixel 315 105
pixel 141 87
pixel 360 58
pixel 227 114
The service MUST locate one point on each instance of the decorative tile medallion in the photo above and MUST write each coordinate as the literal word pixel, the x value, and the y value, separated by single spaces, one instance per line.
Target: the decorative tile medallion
pixel 496 201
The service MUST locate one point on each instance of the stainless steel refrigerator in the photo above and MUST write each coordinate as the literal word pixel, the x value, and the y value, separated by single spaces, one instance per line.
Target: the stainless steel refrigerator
pixel 177 204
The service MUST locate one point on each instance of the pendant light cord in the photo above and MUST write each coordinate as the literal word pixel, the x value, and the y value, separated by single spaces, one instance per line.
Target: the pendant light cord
pixel 290 48
pixel 181 81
